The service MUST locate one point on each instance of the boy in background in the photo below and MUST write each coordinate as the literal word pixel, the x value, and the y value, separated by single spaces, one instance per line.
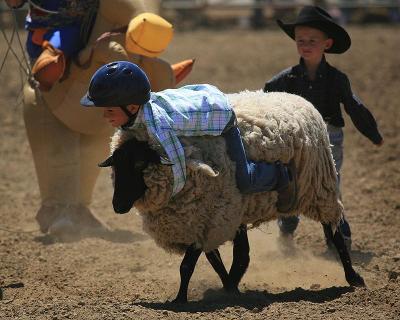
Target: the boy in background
pixel 326 87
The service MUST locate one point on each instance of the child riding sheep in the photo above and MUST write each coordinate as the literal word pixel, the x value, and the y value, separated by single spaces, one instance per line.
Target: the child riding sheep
pixel 123 90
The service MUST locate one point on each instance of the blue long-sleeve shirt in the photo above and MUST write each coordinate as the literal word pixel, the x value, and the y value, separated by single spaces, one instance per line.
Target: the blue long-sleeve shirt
pixel 330 89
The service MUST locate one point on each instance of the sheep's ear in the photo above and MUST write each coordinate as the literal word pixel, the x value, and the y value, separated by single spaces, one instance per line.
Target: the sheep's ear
pixel 166 161
pixel 107 163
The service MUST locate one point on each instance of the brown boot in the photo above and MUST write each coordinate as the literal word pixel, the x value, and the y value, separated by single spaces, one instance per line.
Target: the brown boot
pixel 46 216
pixel 287 196
pixel 76 222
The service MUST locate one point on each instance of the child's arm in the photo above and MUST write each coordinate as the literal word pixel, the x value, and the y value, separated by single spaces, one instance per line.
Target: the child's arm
pixel 362 118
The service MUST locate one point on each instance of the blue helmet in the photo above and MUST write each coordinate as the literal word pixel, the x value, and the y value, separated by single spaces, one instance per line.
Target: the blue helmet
pixel 118 83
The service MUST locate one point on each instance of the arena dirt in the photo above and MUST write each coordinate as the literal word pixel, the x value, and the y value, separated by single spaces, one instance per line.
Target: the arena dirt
pixel 125 276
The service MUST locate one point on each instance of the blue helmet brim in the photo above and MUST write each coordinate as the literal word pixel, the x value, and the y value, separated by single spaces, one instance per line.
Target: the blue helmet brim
pixel 86 101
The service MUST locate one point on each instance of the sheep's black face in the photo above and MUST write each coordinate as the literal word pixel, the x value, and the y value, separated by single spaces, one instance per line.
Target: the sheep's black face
pixel 128 163
pixel 128 184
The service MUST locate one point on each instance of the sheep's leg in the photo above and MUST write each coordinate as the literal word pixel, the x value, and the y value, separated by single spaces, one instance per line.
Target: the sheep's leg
pixel 186 270
pixel 214 258
pixel 241 258
pixel 352 277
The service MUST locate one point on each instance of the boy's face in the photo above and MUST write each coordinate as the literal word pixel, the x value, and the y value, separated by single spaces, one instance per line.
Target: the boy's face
pixel 311 43
pixel 116 116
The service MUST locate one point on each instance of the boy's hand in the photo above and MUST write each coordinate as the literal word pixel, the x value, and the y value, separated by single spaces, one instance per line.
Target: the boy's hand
pixel 15 3
pixel 380 143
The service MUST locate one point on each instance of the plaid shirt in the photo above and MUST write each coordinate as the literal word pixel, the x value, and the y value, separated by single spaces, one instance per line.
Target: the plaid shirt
pixel 193 110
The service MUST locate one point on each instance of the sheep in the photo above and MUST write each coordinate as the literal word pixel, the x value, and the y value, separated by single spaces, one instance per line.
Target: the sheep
pixel 210 210
pixel 129 161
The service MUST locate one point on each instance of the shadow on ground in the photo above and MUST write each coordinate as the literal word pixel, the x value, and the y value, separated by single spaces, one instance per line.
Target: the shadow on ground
pixel 251 299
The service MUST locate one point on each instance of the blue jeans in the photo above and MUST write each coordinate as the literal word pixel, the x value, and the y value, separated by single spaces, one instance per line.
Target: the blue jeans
pixel 252 176
pixel 289 224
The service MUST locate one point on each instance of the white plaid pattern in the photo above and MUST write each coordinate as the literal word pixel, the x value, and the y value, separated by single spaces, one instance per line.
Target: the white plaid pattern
pixel 192 110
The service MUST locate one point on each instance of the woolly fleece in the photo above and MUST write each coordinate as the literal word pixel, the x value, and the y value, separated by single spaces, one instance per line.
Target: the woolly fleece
pixel 209 209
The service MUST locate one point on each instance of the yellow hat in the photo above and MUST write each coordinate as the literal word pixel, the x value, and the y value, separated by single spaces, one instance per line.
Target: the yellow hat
pixel 148 35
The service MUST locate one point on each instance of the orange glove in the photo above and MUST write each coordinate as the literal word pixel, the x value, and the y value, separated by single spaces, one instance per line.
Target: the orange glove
pixel 182 69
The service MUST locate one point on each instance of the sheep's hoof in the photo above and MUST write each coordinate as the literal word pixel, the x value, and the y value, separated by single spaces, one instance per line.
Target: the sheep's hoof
pixel 232 290
pixel 355 280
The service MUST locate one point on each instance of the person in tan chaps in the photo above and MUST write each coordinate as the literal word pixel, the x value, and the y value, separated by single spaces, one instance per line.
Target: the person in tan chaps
pixel 68 141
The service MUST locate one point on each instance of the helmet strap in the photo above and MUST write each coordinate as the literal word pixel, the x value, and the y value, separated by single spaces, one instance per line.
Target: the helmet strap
pixel 131 117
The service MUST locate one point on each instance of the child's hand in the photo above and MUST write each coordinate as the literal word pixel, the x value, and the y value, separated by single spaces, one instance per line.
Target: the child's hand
pixel 380 143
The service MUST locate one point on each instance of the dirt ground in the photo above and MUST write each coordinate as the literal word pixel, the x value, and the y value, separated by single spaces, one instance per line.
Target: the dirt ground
pixel 131 278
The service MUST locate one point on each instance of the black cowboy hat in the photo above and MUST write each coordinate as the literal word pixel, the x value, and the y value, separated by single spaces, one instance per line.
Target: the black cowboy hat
pixel 318 18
